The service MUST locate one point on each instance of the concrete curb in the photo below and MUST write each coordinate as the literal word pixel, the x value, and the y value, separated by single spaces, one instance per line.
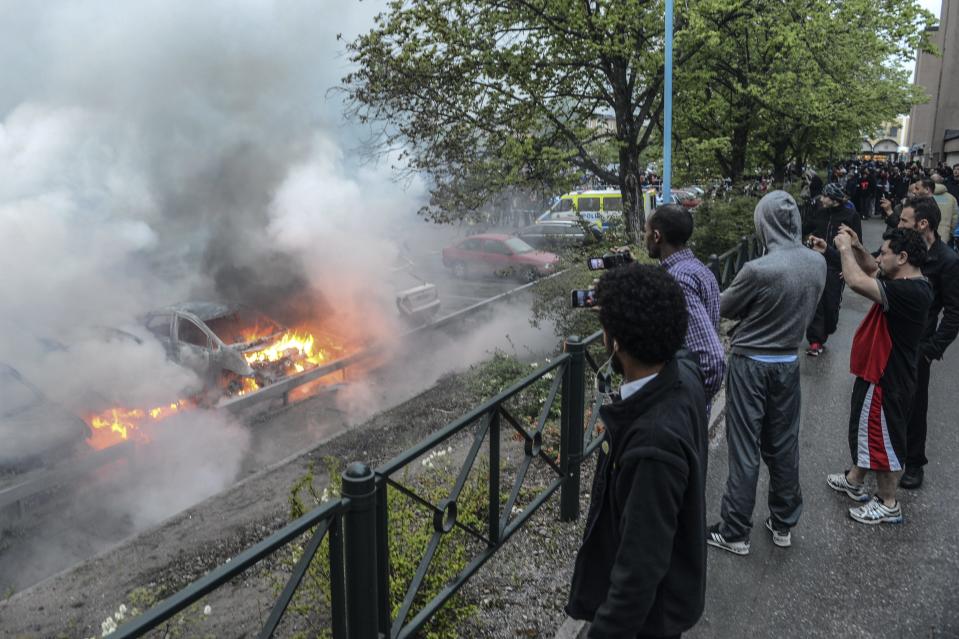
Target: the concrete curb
pixel 575 629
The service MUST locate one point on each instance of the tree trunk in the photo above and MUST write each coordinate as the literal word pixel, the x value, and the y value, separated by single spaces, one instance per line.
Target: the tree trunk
pixel 737 155
pixel 634 217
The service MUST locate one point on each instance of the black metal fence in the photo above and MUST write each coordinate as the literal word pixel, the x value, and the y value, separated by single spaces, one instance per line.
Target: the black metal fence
pixel 725 266
pixel 358 523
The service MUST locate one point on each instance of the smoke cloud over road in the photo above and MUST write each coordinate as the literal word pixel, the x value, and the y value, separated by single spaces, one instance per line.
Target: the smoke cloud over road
pixel 160 151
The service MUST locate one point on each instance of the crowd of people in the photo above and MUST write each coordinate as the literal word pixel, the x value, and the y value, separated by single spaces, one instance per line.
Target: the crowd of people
pixel 640 571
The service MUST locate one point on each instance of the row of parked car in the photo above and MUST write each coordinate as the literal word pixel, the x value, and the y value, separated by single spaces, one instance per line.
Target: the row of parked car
pixel 575 219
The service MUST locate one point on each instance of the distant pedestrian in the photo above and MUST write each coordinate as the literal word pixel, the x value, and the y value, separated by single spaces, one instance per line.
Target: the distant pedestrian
pixel 641 569
pixel 668 230
pixel 948 208
pixel 774 297
pixel 824 224
pixel 884 357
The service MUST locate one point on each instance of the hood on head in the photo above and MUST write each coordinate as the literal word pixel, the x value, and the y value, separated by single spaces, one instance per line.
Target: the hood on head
pixel 777 220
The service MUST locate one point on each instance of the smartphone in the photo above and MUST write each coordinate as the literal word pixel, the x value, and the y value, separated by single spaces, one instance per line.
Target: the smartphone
pixel 583 298
pixel 610 260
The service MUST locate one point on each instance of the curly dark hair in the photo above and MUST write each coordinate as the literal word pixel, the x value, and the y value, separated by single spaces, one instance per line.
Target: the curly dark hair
pixel 644 310
pixel 909 241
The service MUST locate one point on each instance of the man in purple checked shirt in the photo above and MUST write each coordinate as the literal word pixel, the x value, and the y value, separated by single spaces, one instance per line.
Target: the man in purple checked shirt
pixel 668 229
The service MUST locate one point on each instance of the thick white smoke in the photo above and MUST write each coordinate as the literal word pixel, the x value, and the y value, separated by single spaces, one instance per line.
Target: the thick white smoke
pixel 157 151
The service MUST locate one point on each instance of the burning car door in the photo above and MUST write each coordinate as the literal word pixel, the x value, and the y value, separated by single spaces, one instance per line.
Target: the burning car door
pixel 192 346
pixel 161 325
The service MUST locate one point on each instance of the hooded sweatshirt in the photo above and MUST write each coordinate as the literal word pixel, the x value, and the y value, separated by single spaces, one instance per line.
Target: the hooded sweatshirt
pixel 949 210
pixel 774 297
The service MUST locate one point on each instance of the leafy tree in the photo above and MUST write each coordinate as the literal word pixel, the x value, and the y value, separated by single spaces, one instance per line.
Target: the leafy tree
pixel 484 95
pixel 796 81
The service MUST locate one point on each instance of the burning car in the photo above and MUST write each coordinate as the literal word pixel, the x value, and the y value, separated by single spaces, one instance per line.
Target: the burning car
pixel 233 349
pixel 34 429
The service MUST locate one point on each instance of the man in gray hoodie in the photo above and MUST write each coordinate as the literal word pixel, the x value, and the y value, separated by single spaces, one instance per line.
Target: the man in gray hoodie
pixel 774 298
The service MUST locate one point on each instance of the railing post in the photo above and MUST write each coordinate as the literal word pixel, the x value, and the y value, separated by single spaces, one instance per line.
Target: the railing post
pixel 714 267
pixel 743 253
pixel 571 427
pixel 383 556
pixel 359 536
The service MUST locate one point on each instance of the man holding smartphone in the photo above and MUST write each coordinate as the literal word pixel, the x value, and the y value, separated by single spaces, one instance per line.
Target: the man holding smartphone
pixel 667 231
pixel 641 569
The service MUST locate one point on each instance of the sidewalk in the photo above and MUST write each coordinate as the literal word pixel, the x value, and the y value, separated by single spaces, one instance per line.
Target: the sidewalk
pixel 841 578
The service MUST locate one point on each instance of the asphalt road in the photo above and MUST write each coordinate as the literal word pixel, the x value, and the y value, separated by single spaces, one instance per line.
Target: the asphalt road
pixel 841 578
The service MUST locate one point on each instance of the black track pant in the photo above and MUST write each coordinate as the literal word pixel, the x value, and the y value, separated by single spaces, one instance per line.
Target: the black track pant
pixel 916 431
pixel 827 313
pixel 762 423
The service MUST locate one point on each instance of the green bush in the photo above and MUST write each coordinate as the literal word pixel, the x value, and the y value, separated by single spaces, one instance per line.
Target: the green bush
pixel 720 224
pixel 410 531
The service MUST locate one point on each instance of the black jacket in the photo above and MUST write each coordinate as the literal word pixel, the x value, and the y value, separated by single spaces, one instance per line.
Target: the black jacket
pixel 815 187
pixel 642 565
pixel 942 271
pixel 824 223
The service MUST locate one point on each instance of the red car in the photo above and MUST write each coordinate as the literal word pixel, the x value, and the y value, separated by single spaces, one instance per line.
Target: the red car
pixel 500 255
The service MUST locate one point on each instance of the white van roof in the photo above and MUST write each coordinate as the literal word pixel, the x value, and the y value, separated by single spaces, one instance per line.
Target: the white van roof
pixel 594 192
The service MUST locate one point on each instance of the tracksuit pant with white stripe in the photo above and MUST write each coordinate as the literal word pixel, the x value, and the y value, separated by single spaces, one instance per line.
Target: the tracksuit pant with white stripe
pixel 762 421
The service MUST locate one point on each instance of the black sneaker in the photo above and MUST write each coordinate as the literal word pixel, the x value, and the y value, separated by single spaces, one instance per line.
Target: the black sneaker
pixel 735 546
pixel 912 478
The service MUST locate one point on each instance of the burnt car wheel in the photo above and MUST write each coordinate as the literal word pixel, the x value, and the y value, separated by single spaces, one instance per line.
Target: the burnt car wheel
pixel 459 270
pixel 529 275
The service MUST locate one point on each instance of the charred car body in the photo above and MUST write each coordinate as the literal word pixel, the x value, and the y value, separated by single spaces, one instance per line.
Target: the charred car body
pixel 230 345
pixel 35 430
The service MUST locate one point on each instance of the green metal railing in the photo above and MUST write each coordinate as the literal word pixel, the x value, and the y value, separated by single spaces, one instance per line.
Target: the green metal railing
pixel 726 266
pixel 358 523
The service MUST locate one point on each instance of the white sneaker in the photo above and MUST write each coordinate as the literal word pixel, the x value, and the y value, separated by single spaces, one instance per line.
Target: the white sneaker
pixel 782 538
pixel 856 492
pixel 876 512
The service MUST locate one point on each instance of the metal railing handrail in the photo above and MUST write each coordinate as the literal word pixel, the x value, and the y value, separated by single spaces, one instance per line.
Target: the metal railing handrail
pixel 225 572
pixel 726 265
pixel 358 522
pixel 459 424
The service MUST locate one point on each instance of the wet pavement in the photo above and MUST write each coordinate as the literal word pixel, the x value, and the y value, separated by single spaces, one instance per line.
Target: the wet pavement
pixel 841 578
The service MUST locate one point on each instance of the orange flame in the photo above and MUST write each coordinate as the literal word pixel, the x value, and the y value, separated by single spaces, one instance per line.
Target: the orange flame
pixel 298 346
pixel 115 425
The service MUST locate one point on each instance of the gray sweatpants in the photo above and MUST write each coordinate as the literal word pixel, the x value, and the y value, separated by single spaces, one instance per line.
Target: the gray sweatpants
pixel 762 419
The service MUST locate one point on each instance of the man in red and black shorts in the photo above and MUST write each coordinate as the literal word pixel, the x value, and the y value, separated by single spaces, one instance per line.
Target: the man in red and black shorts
pixel 884 358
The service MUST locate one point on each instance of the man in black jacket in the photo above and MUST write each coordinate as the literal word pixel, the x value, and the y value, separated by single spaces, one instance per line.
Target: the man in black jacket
pixel 824 224
pixel 942 270
pixel 641 570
